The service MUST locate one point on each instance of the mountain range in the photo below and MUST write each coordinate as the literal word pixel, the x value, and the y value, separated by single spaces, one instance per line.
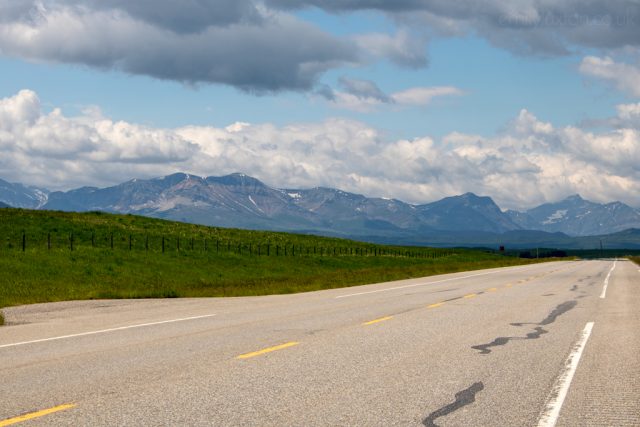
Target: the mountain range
pixel 241 201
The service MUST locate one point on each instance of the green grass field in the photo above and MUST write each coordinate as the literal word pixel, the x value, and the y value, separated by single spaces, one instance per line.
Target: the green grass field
pixel 55 256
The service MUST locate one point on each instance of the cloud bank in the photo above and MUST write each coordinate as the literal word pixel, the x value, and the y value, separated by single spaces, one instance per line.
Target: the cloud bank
pixel 529 163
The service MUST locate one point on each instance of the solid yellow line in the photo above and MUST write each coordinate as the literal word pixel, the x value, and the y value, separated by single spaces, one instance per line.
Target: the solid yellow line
pixel 38 414
pixel 267 350
pixel 492 289
pixel 438 304
pixel 469 296
pixel 382 319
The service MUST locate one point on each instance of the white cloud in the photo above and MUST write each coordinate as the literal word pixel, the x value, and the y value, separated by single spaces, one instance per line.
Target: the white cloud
pixel 79 150
pixel 423 95
pixel 529 163
pixel 365 96
pixel 625 77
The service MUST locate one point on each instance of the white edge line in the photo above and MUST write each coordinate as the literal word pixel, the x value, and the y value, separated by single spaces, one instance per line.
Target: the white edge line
pixel 606 281
pixel 121 328
pixel 551 412
pixel 427 283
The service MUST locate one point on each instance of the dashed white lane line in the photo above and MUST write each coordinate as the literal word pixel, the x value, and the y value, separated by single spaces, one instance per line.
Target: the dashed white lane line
pixel 121 328
pixel 606 280
pixel 551 412
pixel 427 283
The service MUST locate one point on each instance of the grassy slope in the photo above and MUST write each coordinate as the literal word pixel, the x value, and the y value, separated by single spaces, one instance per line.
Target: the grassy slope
pixel 42 275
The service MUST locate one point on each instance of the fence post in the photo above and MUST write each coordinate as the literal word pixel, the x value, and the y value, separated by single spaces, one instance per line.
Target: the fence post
pixel 48 241
pixel 93 239
pixel 162 244
pixel 178 243
pixel 111 241
pixel 24 241
pixel 129 241
pixel 268 249
pixel 71 241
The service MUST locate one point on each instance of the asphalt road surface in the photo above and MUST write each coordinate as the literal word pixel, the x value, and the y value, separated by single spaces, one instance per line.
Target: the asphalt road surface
pixel 540 345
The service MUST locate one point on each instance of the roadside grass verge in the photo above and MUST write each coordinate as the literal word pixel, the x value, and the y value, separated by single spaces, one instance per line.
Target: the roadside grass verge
pixel 211 262
pixel 35 277
pixel 635 259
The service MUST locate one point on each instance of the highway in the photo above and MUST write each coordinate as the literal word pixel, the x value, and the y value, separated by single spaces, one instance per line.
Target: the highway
pixel 539 345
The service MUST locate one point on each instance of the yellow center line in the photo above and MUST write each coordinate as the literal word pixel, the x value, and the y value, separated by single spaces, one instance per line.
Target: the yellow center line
pixel 382 319
pixel 492 289
pixel 438 304
pixel 508 285
pixel 266 350
pixel 38 414
pixel 470 296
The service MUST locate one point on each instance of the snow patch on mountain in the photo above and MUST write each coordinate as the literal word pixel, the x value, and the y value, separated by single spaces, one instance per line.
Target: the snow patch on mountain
pixel 556 216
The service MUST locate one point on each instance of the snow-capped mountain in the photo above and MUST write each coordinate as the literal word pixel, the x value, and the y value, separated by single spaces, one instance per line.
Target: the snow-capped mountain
pixel 578 217
pixel 21 196
pixel 238 200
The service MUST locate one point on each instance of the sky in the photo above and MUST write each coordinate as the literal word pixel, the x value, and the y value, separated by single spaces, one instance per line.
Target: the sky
pixel 527 101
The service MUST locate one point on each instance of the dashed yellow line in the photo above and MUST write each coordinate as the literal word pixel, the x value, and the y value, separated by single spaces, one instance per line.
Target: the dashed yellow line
pixel 508 285
pixel 382 319
pixel 438 304
pixel 492 289
pixel 266 350
pixel 470 296
pixel 38 414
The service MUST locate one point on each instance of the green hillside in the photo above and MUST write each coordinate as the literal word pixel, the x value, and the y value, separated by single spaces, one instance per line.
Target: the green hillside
pixel 52 256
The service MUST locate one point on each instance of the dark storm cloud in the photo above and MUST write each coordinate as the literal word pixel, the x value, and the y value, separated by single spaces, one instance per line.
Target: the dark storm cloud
pixel 183 16
pixel 525 26
pixel 242 47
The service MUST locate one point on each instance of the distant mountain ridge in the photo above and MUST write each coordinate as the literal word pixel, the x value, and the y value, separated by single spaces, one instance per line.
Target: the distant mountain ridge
pixel 578 217
pixel 22 196
pixel 241 201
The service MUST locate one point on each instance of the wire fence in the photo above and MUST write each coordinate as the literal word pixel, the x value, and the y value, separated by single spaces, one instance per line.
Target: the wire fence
pixel 118 241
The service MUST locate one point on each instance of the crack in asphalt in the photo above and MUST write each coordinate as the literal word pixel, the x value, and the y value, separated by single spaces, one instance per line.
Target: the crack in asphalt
pixel 537 332
pixel 463 398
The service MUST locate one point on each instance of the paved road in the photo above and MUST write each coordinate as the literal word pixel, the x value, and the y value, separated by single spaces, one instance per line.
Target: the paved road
pixel 522 346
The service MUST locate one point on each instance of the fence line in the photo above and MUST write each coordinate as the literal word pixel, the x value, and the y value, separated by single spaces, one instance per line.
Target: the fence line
pixel 160 243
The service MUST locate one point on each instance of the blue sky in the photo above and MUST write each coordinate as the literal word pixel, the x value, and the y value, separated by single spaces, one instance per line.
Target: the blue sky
pixel 508 94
